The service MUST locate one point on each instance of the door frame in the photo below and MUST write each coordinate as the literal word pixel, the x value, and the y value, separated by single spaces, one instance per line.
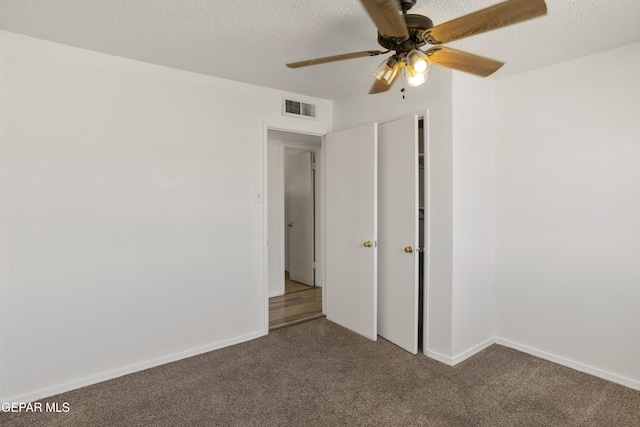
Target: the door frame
pixel 318 208
pixel 320 224
pixel 426 250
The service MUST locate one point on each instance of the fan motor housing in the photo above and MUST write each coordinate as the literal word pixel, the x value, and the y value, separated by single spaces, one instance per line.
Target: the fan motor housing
pixel 416 24
pixel 407 4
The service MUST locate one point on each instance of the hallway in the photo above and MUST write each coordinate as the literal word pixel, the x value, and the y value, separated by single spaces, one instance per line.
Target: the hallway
pixel 299 304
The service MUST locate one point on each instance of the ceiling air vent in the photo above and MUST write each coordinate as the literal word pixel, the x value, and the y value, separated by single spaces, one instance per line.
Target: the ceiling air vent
pixel 298 109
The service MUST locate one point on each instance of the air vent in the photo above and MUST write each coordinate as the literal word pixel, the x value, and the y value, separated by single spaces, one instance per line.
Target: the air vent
pixel 299 109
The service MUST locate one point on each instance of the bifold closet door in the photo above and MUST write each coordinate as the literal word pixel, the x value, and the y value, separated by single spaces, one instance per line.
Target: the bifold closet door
pixel 350 229
pixel 398 227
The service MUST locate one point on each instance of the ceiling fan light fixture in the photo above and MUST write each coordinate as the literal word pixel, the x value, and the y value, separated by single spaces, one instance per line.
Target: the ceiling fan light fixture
pixel 387 70
pixel 414 78
pixel 418 61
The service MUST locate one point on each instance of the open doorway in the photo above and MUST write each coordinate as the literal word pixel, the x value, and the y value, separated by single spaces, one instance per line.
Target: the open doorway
pixel 294 196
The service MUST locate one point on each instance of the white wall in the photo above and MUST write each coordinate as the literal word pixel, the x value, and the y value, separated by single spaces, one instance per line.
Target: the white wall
pixel 129 232
pixel 568 213
pixel 461 217
pixel 473 214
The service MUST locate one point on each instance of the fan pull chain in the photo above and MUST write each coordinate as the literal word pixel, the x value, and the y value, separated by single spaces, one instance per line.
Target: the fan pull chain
pixel 404 80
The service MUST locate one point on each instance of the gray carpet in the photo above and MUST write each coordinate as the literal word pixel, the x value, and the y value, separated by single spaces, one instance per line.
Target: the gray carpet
pixel 319 374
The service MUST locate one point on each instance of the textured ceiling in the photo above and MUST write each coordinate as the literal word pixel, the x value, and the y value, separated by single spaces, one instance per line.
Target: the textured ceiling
pixel 251 40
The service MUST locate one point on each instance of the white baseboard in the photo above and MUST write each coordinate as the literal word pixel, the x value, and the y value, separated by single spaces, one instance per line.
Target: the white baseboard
pixel 452 361
pixel 439 357
pixel 137 367
pixel 472 351
pixel 275 294
pixel 596 372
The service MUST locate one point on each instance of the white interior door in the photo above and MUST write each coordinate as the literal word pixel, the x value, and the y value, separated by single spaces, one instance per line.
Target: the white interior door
pixel 350 229
pixel 299 199
pixel 398 228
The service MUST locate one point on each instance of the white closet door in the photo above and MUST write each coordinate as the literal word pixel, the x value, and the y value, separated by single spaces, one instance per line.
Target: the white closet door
pixel 350 218
pixel 300 220
pixel 398 232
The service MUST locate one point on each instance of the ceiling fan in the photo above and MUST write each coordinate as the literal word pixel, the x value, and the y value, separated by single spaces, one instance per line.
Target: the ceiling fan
pixel 404 34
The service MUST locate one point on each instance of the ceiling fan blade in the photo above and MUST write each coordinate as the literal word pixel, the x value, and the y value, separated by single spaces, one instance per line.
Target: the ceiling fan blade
pixel 386 16
pixel 379 87
pixel 463 61
pixel 491 18
pixel 334 58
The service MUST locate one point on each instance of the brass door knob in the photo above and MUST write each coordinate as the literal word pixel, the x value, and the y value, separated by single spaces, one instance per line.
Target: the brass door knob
pixel 368 244
pixel 408 249
pixel 290 224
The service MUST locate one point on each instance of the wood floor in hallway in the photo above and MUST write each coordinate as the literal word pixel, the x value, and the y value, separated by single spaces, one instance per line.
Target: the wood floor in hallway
pixel 299 304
